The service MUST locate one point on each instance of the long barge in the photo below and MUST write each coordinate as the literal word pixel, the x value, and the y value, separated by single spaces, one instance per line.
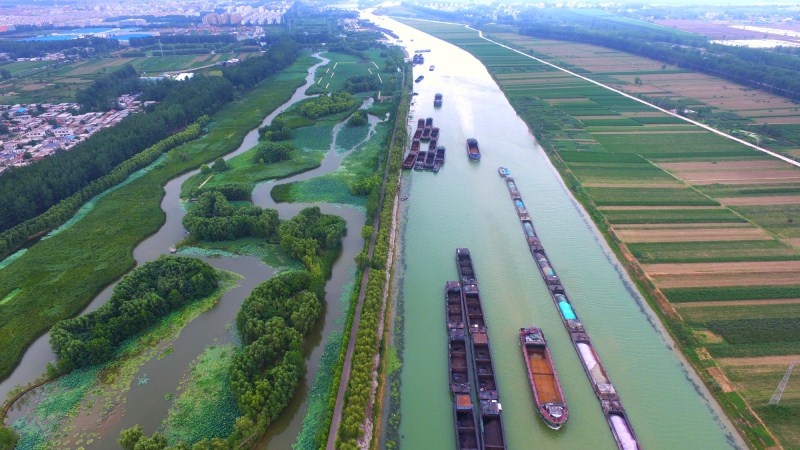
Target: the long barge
pixel 466 425
pixel 543 377
pixel 610 401
pixel 492 434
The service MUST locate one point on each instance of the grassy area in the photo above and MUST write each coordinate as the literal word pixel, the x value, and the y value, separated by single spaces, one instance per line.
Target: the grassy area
pixel 272 254
pixel 718 293
pixel 98 249
pixel 701 314
pixel 96 390
pixel 642 216
pixel 332 76
pixel 205 407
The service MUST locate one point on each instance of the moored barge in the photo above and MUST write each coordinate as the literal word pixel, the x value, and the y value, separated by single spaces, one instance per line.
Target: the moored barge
pixel 610 402
pixel 408 163
pixel 492 434
pixel 466 425
pixel 473 151
pixel 437 100
pixel 543 377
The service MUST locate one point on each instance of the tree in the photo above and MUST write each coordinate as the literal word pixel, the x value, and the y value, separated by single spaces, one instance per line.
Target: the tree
pixel 219 165
pixel 129 437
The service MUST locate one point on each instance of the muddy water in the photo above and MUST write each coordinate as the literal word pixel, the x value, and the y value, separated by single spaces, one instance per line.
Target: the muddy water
pixel 467 205
pixel 145 404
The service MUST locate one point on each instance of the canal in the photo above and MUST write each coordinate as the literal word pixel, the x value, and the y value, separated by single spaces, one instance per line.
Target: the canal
pixel 467 205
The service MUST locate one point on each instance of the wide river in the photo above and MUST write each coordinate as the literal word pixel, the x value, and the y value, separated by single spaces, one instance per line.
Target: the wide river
pixel 467 205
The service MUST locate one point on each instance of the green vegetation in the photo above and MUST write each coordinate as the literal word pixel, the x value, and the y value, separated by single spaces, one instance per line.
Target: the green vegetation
pixel 712 251
pixel 717 293
pixel 97 249
pixel 699 315
pixel 718 215
pixel 360 384
pixel 98 389
pixel 654 196
pixel 213 218
pixel 8 439
pixel 139 299
pixel 761 330
pixel 325 105
pixel 205 409
pixel 66 208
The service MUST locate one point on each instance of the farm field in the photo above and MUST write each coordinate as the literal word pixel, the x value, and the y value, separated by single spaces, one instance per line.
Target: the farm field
pixel 51 82
pixel 697 218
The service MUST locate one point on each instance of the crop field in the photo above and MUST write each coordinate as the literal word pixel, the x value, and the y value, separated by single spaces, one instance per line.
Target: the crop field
pixel 706 219
pixel 659 79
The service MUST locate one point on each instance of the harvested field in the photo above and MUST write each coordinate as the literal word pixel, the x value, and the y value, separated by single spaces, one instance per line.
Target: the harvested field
pixel 677 275
pixel 774 200
pixel 692 235
pixel 721 379
pixel 675 185
pixel 794 242
pixel 655 208
pixel 783 360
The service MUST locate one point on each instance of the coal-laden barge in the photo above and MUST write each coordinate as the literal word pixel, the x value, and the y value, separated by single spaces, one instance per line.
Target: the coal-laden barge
pixel 610 401
pixel 491 419
pixel 467 433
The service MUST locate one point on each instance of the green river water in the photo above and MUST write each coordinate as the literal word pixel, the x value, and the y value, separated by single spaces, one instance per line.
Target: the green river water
pixel 467 205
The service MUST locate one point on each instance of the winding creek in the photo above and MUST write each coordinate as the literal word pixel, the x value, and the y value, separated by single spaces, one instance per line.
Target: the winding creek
pixel 145 403
pixel 467 205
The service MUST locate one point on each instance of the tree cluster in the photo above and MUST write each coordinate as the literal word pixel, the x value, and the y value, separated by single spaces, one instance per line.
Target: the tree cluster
pixel 17 236
pixel 251 71
pixel 358 119
pixel 272 323
pixel 231 191
pixel 213 218
pixel 183 39
pixel 324 105
pixel 309 232
pixel 32 49
pixel 102 94
pixel 271 152
pixel 277 130
pixel 362 83
pixel 141 298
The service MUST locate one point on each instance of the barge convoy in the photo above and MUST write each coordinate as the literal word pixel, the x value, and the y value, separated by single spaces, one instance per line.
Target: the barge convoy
pixel 492 434
pixel 542 374
pixel 467 435
pixel 610 401
pixel 431 159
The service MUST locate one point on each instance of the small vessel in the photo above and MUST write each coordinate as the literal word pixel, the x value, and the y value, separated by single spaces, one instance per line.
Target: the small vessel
pixel 503 172
pixel 420 124
pixel 466 425
pixel 440 150
pixel 437 99
pixel 473 151
pixel 415 146
pixel 419 78
pixel 434 132
pixel 432 144
pixel 429 122
pixel 431 68
pixel 542 374
pixel 426 134
pixel 418 134
pixel 430 159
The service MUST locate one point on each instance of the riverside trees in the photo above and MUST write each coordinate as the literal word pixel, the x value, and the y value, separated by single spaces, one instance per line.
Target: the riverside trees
pixel 139 300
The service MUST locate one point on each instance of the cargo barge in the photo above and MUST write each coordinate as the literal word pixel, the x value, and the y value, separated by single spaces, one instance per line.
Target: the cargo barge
pixel 503 172
pixel 492 434
pixel 437 100
pixel 610 402
pixel 543 377
pixel 473 151
pixel 466 424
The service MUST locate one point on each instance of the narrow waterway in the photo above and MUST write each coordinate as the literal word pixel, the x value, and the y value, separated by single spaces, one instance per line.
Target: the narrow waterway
pixel 145 404
pixel 467 205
